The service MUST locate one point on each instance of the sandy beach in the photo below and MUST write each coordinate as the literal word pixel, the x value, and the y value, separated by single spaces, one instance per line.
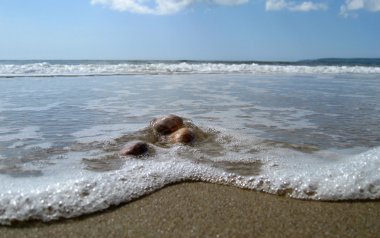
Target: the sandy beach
pixel 209 210
pixel 177 118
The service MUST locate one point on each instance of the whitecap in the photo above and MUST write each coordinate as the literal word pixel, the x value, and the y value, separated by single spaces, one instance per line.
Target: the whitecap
pixel 47 69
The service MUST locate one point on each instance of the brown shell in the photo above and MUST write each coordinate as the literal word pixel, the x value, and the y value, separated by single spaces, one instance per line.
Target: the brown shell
pixel 183 135
pixel 167 124
pixel 135 148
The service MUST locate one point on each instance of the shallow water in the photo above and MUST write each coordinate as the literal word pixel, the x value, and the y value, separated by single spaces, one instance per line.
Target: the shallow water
pixel 309 136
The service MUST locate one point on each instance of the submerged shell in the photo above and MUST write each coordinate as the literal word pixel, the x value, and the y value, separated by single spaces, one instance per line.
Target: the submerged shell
pixel 183 135
pixel 167 124
pixel 135 148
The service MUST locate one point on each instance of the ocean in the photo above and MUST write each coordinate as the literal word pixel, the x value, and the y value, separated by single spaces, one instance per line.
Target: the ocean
pixel 307 130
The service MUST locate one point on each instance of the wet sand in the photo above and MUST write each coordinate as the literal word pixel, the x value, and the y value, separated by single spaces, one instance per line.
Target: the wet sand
pixel 208 210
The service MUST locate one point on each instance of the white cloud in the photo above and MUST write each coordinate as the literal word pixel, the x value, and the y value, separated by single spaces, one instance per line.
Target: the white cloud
pixel 309 6
pixel 164 7
pixel 306 6
pixel 159 7
pixel 230 2
pixel 354 5
pixel 275 5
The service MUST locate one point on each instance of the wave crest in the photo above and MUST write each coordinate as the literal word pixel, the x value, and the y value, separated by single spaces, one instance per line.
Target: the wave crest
pixel 89 69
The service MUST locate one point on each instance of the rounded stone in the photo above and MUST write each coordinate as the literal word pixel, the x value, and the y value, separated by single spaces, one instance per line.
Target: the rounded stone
pixel 135 148
pixel 183 135
pixel 167 124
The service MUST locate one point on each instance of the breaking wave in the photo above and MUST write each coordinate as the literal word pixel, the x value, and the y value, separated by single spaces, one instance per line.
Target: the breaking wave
pixel 50 69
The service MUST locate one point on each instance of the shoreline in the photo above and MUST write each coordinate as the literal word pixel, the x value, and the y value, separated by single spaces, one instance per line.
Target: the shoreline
pixel 205 210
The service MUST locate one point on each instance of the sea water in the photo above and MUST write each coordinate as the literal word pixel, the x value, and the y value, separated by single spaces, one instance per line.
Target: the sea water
pixel 307 130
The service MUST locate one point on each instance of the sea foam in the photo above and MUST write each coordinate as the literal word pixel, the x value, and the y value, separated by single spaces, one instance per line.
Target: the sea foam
pixel 243 162
pixel 48 69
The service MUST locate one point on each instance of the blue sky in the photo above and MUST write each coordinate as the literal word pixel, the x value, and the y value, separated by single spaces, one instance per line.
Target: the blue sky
pixel 189 29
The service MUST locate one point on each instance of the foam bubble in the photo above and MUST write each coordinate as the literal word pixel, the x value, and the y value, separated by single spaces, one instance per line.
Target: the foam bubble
pixel 44 145
pixel 351 177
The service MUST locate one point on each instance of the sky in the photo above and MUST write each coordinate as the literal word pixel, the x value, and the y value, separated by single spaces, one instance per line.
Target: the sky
pixel 189 29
